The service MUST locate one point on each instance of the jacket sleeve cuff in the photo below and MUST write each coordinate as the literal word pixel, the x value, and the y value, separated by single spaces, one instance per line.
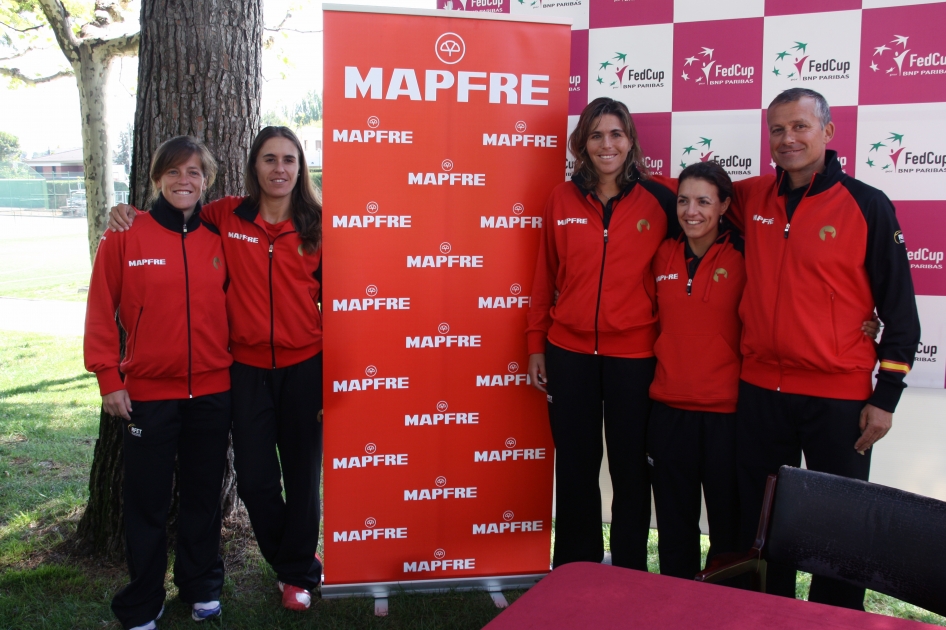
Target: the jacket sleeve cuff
pixel 110 380
pixel 535 341
pixel 886 396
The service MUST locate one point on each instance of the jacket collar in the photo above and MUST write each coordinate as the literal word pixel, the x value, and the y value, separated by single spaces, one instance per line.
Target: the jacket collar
pixel 820 182
pixel 171 218
pixel 248 209
pixel 587 190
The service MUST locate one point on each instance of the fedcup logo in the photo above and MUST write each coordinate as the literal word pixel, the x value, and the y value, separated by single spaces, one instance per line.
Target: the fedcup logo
pixel 826 231
pixel 371 522
pixel 445 247
pixel 735 73
pixel 707 54
pixel 642 225
pixel 450 48
pixel 372 207
pixel 439 554
pixel 515 289
pixel 701 150
pixel 373 122
pixel 617 73
pixel 508 515
pixel 443 328
pixel 510 442
pixel 518 208
pixel 720 273
pixel 513 367
pixel 442 406
pixel 440 481
pixel 371 371
pixel 371 290
pixel 521 127
pixel 894 147
pixel 371 448
pixel 795 64
pixel 892 64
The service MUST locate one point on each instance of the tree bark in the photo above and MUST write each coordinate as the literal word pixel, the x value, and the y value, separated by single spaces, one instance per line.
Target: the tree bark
pixel 199 73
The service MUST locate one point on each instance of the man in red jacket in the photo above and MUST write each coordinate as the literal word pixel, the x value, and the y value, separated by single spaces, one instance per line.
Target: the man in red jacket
pixel 823 251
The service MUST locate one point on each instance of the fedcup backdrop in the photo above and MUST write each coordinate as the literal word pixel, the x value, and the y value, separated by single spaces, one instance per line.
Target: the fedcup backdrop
pixel 698 76
pixel 438 455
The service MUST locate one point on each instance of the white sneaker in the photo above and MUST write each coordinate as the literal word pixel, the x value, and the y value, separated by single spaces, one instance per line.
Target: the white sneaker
pixel 206 610
pixel 151 625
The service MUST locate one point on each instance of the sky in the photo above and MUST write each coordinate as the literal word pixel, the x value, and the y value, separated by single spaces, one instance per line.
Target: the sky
pixel 46 117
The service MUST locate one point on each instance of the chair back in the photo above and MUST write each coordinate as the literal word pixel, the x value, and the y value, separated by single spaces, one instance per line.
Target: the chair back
pixel 881 538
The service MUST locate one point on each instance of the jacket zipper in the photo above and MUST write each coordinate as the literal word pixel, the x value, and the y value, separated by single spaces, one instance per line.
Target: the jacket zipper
pixel 272 310
pixel 187 289
pixel 606 220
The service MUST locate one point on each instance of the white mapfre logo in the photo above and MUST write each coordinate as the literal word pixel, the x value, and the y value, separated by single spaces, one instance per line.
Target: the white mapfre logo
pixel 450 48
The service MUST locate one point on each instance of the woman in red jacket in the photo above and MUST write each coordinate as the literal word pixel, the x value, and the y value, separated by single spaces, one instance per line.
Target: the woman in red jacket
pixel 591 331
pixel 166 278
pixel 691 440
pixel 272 240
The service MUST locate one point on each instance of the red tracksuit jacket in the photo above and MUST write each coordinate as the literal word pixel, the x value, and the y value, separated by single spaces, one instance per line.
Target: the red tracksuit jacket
pixel 819 260
pixel 167 284
pixel 599 259
pixel 275 287
pixel 698 359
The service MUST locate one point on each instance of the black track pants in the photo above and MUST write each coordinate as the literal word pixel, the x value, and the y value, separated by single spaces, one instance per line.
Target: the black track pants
pixel 279 409
pixel 772 430
pixel 194 431
pixel 582 388
pixel 689 450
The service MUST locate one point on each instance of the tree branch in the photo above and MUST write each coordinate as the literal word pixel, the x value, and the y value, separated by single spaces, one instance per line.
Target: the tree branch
pixel 14 73
pixel 22 30
pixel 22 53
pixel 61 23
pixel 124 46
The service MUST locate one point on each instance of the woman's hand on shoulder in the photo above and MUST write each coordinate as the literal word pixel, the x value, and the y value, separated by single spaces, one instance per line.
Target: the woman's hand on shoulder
pixel 117 404
pixel 120 217
pixel 537 371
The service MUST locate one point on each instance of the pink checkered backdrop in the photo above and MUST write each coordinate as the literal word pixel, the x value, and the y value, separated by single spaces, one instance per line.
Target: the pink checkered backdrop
pixel 698 75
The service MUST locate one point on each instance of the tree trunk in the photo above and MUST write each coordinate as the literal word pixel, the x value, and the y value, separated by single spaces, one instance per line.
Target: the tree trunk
pixel 92 74
pixel 199 73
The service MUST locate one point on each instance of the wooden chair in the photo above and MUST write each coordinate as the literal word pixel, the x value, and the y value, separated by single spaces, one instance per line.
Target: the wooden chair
pixel 865 534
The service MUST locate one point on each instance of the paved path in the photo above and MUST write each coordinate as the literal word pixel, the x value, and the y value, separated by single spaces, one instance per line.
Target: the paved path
pixel 42 316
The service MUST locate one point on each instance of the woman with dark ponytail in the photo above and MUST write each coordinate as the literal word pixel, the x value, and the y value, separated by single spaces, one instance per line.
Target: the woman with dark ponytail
pixel 272 240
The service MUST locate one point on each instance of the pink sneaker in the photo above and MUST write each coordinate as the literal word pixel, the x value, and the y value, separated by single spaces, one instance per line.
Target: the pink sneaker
pixel 295 598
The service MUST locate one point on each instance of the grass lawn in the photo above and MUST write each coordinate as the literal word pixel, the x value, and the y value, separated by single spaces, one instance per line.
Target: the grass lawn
pixel 44 258
pixel 49 410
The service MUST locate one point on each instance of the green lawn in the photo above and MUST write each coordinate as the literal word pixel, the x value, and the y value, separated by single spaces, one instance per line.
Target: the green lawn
pixel 44 258
pixel 48 422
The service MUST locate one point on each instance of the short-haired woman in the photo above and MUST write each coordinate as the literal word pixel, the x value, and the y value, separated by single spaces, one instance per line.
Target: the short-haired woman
pixel 166 277
pixel 273 242
pixel 591 332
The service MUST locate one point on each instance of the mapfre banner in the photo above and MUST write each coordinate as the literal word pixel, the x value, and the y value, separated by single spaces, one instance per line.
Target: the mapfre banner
pixel 443 138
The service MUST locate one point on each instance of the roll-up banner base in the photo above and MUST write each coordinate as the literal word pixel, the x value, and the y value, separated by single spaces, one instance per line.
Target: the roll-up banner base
pixel 386 589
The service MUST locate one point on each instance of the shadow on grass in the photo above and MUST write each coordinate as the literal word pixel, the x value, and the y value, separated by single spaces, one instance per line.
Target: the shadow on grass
pixel 79 380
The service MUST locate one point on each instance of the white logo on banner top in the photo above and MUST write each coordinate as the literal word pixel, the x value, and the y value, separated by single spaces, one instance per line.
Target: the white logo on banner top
pixel 515 221
pixel 708 71
pixel 372 459
pixel 919 58
pixel 372 219
pixel 370 532
pixel 439 563
pixel 440 491
pixel 504 380
pixel 498 87
pixel 444 260
pixel 441 416
pixel 519 139
pixel 450 48
pixel 372 302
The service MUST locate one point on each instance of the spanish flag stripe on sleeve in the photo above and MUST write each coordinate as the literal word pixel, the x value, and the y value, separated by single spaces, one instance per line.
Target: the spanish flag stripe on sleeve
pixel 895 366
